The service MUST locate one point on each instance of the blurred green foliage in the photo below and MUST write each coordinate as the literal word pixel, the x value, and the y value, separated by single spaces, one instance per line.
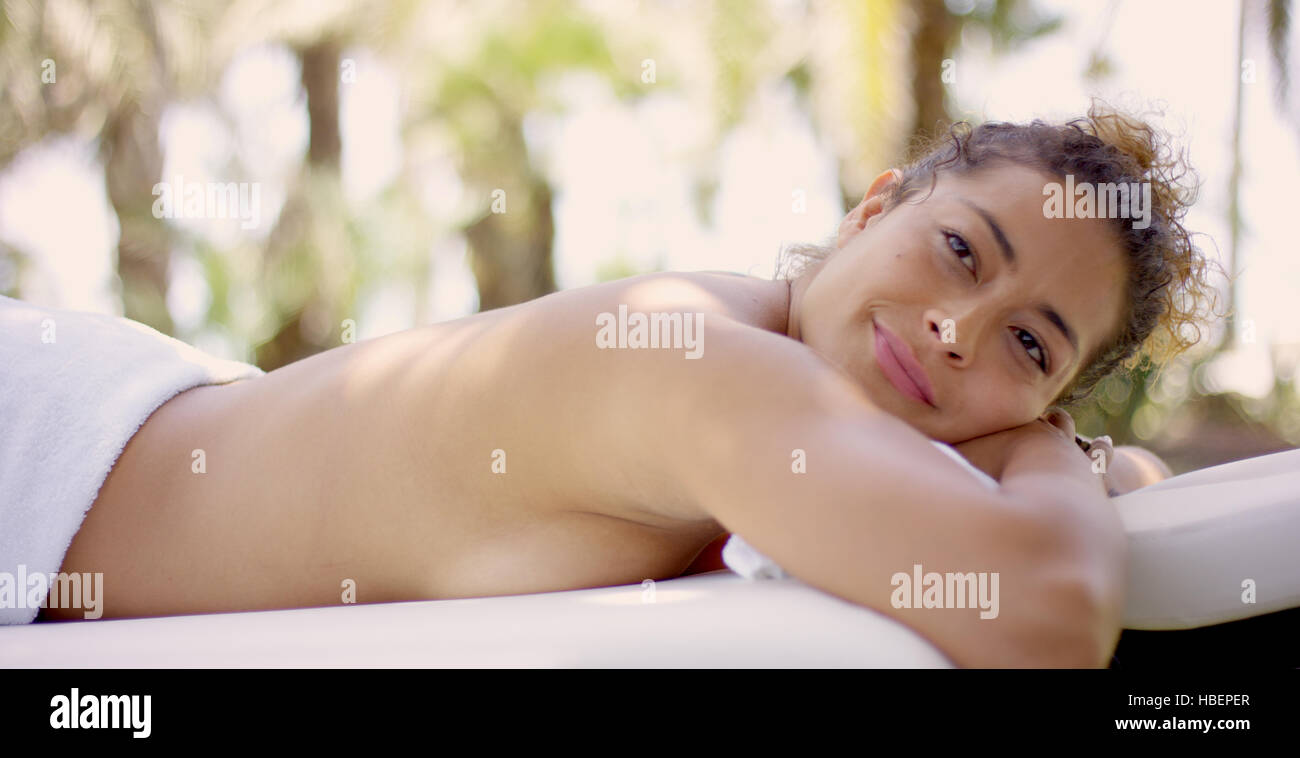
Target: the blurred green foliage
pixel 471 73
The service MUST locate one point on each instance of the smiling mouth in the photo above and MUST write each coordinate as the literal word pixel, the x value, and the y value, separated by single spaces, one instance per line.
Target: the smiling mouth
pixel 892 367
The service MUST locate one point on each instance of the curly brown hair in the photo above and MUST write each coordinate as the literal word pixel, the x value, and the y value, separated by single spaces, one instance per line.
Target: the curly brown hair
pixel 1168 285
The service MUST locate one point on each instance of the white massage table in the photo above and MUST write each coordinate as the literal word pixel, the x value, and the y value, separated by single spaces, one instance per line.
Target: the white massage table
pixel 713 620
pixel 1194 539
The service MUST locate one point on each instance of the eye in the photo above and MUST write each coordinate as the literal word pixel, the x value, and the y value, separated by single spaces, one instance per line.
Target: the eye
pixel 958 245
pixel 1028 340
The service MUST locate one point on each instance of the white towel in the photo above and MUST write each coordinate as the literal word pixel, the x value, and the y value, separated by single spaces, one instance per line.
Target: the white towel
pixel 742 558
pixel 74 388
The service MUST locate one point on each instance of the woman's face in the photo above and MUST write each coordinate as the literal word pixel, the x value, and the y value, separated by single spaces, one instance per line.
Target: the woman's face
pixel 934 277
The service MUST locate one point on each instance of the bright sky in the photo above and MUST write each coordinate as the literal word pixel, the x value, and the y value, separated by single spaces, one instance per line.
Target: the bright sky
pixel 621 171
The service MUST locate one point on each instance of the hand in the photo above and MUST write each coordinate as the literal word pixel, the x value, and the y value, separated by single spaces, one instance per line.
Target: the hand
pixel 991 452
pixel 1108 465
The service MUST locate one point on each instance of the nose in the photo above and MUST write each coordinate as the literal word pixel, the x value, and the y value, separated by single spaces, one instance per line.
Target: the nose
pixel 956 339
pixel 943 332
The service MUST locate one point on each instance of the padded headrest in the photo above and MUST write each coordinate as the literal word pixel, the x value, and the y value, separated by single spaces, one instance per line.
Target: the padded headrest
pixel 1214 545
pixel 1209 546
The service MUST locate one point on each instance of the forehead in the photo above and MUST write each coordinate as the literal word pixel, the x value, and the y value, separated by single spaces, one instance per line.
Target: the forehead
pixel 1075 265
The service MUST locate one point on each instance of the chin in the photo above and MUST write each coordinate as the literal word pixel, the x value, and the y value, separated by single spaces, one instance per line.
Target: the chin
pixel 911 420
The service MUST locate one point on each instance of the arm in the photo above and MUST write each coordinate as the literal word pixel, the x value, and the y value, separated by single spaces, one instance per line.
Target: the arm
pixel 1134 467
pixel 1092 534
pixel 877 498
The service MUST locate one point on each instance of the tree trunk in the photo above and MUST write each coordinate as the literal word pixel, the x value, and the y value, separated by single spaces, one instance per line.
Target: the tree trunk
pixel 511 253
pixel 292 236
pixel 931 41
pixel 320 79
pixel 1234 191
pixel 133 165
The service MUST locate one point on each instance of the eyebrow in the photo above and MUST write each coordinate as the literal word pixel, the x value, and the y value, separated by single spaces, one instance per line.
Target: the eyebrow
pixel 1009 254
pixel 1050 313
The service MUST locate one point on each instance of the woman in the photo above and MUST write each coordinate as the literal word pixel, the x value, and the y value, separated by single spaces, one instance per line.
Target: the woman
pixel 549 446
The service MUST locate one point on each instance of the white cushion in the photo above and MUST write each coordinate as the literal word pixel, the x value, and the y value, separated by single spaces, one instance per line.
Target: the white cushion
pixel 708 620
pixel 1197 540
pixel 1194 539
pixel 1210 546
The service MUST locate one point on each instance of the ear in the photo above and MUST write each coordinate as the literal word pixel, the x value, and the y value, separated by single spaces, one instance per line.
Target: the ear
pixel 872 203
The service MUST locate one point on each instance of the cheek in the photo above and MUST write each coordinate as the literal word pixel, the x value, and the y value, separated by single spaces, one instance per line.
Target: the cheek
pixel 827 301
pixel 993 402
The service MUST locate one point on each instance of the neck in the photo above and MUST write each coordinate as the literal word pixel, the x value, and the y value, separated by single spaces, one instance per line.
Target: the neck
pixel 795 289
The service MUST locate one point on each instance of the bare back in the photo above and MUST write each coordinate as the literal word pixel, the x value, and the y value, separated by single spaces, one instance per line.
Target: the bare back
pixel 483 456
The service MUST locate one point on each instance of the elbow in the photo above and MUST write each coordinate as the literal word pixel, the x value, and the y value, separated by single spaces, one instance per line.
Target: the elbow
pixel 1063 624
pixel 1060 624
pixel 1078 595
pixel 1078 627
pixel 1064 599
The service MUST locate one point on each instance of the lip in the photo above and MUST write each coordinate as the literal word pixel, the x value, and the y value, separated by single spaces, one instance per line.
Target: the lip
pixel 900 366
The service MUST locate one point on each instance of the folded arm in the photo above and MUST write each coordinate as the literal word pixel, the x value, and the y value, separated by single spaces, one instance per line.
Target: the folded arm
pixel 779 446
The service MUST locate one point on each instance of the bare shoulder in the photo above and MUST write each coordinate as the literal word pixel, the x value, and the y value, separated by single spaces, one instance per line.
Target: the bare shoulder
pixel 640 363
pixel 760 303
